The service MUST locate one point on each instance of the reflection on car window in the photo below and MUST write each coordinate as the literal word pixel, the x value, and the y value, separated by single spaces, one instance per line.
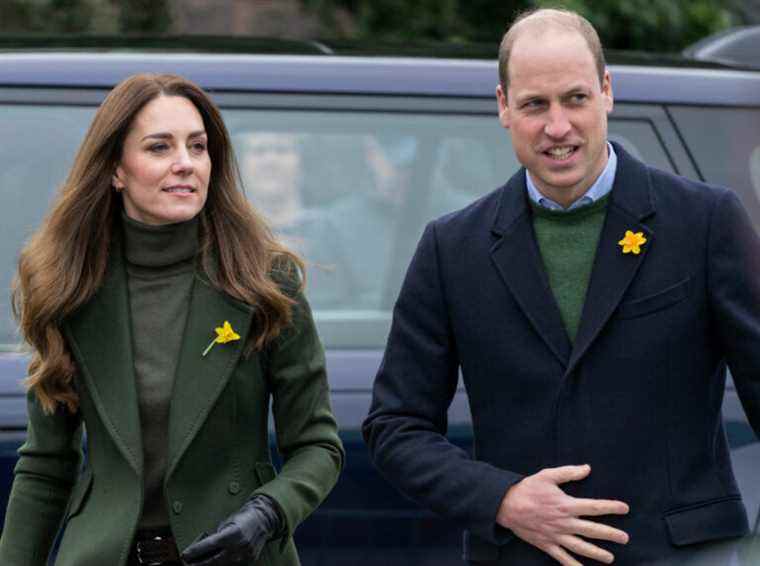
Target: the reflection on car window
pixel 40 143
pixel 349 191
pixel 358 189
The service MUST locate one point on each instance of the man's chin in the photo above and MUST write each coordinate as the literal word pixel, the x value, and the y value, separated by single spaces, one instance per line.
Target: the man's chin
pixel 561 184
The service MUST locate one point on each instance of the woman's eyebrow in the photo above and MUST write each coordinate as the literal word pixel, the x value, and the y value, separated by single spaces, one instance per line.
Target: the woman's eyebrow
pixel 167 135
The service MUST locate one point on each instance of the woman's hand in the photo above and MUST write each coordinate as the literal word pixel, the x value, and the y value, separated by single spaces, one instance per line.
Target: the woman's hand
pixel 238 539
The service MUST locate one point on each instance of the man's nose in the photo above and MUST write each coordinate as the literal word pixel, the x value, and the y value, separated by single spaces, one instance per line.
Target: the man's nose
pixel 557 125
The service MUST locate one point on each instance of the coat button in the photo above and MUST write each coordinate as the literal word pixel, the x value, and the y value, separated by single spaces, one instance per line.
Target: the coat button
pixel 177 507
pixel 234 487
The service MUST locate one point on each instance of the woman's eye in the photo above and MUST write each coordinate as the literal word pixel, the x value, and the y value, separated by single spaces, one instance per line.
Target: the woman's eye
pixel 158 147
pixel 199 147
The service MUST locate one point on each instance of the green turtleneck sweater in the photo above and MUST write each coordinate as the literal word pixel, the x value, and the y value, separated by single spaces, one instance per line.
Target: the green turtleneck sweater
pixel 160 265
pixel 568 240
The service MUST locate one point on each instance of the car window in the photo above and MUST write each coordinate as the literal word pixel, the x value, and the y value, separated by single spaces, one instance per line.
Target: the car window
pixel 725 143
pixel 39 143
pixel 639 138
pixel 350 191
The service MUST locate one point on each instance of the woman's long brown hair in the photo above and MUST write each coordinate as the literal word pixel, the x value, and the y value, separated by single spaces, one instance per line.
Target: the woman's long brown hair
pixel 65 261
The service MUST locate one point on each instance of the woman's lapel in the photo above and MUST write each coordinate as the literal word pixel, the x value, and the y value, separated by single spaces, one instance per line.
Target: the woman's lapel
pixel 100 337
pixel 200 379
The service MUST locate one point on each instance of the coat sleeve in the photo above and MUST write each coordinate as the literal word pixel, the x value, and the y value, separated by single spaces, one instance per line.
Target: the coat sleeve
pixel 43 477
pixel 734 289
pixel 407 422
pixel 307 432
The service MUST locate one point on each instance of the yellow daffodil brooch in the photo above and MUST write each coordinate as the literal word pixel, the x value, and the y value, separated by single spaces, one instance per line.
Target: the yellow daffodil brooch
pixel 224 334
pixel 632 243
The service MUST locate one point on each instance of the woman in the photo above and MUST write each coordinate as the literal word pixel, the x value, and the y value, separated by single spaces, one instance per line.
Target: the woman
pixel 162 316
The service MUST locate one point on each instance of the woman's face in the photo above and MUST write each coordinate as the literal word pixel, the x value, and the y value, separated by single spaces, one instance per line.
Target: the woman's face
pixel 165 166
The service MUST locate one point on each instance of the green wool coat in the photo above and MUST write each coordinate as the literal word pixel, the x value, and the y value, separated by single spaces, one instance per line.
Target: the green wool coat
pixel 218 451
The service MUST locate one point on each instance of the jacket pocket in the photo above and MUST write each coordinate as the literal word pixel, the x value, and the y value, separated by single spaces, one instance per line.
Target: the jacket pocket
pixel 658 301
pixel 79 493
pixel 476 549
pixel 710 520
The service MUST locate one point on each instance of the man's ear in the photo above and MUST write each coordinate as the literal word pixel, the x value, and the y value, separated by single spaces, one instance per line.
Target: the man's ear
pixel 501 100
pixel 607 91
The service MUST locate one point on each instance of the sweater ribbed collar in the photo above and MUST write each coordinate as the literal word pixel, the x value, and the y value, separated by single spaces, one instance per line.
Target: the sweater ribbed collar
pixel 156 247
pixel 570 216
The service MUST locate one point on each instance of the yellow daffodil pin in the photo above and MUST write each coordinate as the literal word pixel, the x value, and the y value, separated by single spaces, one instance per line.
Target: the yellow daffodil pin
pixel 632 243
pixel 224 334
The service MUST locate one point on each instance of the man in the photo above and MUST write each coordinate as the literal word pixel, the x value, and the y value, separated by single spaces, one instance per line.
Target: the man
pixel 271 169
pixel 375 211
pixel 592 304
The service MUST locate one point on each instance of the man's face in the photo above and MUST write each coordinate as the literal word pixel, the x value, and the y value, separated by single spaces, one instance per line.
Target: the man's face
pixel 556 111
pixel 271 167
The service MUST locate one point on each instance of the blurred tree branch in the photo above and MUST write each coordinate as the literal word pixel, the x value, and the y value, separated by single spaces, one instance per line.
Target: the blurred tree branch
pixel 81 16
pixel 652 25
pixel 143 16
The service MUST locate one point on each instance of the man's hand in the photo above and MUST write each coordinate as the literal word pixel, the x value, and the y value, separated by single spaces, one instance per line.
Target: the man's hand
pixel 540 513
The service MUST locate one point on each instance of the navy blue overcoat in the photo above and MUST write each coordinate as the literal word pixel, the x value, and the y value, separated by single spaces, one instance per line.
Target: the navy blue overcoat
pixel 637 395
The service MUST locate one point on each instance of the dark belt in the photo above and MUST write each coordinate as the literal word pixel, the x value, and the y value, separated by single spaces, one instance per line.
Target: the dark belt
pixel 154 548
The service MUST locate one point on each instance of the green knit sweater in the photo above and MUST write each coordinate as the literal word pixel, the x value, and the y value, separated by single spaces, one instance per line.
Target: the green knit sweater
pixel 160 265
pixel 567 241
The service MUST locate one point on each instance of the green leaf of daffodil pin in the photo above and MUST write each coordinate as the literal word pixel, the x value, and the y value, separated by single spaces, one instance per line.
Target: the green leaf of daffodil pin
pixel 632 242
pixel 224 334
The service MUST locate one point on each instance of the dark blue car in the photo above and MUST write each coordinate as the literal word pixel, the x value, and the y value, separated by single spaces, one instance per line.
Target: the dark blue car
pixel 349 157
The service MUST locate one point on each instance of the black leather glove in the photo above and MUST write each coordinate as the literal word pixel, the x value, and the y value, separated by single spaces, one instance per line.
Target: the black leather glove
pixel 240 538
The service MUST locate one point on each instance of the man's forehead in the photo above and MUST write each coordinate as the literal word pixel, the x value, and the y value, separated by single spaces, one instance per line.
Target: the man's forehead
pixel 537 41
pixel 563 56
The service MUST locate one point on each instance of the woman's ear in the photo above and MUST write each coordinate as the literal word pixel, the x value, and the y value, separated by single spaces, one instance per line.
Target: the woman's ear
pixel 116 181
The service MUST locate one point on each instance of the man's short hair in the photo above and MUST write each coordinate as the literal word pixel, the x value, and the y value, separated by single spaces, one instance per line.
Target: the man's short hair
pixel 570 21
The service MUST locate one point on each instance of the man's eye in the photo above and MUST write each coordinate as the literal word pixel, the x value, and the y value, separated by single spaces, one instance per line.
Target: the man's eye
pixel 531 104
pixel 578 98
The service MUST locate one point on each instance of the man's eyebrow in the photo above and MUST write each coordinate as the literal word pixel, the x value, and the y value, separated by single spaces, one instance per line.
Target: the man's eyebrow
pixel 168 136
pixel 523 98
pixel 576 89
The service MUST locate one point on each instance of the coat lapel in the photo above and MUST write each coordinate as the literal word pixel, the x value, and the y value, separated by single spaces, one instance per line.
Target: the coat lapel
pixel 200 380
pixel 630 204
pixel 518 261
pixel 100 336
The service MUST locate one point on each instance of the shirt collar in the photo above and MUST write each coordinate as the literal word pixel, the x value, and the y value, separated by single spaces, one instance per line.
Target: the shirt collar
pixel 599 189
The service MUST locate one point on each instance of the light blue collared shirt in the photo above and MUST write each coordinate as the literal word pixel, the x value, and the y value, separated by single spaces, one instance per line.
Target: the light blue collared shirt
pixel 599 189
